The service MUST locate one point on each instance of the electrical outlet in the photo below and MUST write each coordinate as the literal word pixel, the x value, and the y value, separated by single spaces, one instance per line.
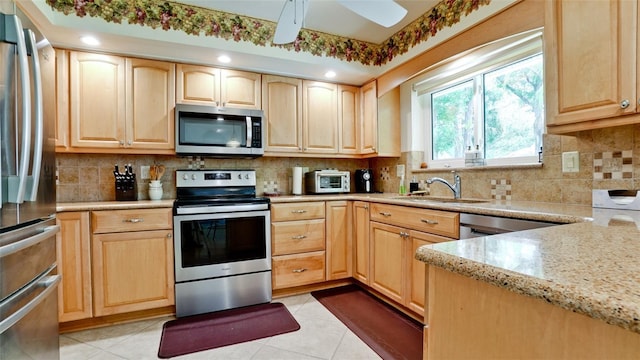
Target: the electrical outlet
pixel 144 172
pixel 570 161
pixel 400 170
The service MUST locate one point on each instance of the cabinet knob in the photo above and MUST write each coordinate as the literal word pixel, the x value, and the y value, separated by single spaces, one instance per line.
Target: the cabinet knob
pixel 299 270
pixel 121 142
pixel 624 104
pixel 298 211
pixel 385 214
pixel 169 236
pixel 299 237
pixel 129 142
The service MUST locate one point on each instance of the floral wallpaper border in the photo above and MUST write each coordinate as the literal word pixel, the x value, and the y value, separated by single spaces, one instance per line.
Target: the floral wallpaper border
pixel 195 20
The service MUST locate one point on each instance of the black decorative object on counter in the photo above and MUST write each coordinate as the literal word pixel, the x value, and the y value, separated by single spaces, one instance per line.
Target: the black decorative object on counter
pixel 126 189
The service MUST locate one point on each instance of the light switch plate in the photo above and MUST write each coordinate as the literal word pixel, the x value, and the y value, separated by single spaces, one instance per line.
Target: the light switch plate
pixel 399 170
pixel 570 161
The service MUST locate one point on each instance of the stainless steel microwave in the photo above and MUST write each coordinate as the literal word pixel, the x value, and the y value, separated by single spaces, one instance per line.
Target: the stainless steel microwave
pixel 219 132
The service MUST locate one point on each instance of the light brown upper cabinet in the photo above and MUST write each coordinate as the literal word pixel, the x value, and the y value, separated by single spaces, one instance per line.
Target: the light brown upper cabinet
pixel 348 118
pixel 319 117
pixel 591 64
pixel 369 119
pixel 282 106
pixel 205 85
pixel 120 104
pixel 388 124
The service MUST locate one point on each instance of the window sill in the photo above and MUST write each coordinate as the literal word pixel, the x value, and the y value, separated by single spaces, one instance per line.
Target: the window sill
pixel 474 168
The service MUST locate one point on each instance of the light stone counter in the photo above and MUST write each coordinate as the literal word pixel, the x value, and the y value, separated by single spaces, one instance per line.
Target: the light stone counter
pixel 113 205
pixel 590 268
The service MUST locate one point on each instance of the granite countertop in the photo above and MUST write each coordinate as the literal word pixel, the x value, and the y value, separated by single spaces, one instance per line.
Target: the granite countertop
pixel 589 268
pixel 113 205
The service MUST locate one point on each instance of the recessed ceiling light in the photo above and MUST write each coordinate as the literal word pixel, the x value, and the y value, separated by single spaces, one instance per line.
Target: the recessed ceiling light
pixel 224 59
pixel 330 74
pixel 90 40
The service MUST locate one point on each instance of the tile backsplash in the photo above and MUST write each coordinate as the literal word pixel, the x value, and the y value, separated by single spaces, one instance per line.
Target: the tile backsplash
pixel 609 159
pixel 89 177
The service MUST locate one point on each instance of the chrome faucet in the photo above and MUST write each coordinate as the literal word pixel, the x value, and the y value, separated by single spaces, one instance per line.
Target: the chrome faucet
pixel 455 187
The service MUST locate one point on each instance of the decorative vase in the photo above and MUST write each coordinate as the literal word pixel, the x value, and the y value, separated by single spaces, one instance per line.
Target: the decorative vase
pixel 155 190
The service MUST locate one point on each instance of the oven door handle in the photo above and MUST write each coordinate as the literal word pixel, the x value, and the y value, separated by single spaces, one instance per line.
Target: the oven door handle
pixel 199 209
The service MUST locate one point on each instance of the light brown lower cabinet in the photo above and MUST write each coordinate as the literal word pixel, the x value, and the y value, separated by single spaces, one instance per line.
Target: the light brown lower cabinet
pixel 114 262
pixel 74 266
pixel 361 241
pixel 339 239
pixel 132 271
pixel 133 264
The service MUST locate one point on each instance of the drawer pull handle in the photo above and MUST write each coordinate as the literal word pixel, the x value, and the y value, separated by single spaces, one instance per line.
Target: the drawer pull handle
pixel 298 237
pixel 134 220
pixel 299 270
pixel 430 222
pixel 385 214
pixel 298 211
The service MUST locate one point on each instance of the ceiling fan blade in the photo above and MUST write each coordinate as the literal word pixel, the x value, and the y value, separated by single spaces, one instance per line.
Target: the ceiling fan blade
pixel 290 21
pixel 383 12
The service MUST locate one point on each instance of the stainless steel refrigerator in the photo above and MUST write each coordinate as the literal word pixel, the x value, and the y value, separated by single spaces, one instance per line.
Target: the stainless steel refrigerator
pixel 28 277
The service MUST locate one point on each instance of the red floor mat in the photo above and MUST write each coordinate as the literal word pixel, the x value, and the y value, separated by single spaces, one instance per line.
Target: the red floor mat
pixel 391 334
pixel 207 331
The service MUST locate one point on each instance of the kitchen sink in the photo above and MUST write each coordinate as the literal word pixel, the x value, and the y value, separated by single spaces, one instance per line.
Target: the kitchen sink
pixel 441 199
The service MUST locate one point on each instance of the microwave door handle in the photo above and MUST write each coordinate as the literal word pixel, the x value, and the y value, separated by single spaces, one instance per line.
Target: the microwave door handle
pixel 39 129
pixel 249 131
pixel 14 34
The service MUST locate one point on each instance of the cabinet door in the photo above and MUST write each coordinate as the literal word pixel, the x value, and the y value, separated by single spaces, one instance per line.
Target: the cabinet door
pixel 369 126
pixel 339 240
pixel 150 104
pixel 55 82
pixel 416 270
pixel 319 117
pixel 361 239
pixel 387 254
pixel 389 124
pixel 590 70
pixel 74 266
pixel 349 119
pixel 97 88
pixel 282 106
pixel 197 85
pixel 240 89
pixel 116 256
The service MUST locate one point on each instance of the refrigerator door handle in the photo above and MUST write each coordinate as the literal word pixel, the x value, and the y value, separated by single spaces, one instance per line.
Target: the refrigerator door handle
pixel 30 41
pixel 47 281
pixel 28 242
pixel 14 34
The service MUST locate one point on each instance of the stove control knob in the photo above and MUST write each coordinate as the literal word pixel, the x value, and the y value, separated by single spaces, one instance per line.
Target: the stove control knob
pixel 185 177
pixel 239 176
pixel 194 177
pixel 246 176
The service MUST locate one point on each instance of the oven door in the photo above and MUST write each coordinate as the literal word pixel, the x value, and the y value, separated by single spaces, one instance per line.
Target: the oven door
pixel 221 244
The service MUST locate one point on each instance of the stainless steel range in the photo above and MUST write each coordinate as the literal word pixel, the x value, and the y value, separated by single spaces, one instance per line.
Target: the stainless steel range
pixel 222 241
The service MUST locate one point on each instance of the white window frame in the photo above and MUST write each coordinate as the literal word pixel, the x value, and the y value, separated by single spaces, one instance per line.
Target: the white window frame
pixel 460 68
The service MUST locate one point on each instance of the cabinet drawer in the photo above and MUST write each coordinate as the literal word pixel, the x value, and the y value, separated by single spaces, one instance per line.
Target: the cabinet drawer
pixel 432 221
pixel 109 221
pixel 291 237
pixel 297 269
pixel 297 211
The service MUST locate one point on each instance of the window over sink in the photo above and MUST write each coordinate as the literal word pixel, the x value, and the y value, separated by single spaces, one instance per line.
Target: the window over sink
pixel 489 99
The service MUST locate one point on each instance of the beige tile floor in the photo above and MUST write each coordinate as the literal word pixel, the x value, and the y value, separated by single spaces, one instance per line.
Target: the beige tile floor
pixel 321 336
